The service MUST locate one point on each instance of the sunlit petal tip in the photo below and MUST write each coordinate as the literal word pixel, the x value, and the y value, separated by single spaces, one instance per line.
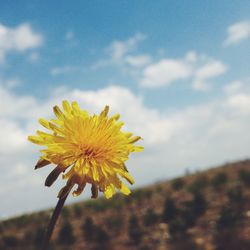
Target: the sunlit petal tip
pixel 125 190
pixel 75 107
pixel 128 134
pixel 66 106
pixel 115 117
pixel 119 124
pixel 135 139
pixel 138 149
pixel 109 191
pixel 44 123
pixel 36 140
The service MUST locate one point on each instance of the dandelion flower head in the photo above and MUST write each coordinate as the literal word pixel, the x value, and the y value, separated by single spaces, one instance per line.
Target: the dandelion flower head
pixel 86 149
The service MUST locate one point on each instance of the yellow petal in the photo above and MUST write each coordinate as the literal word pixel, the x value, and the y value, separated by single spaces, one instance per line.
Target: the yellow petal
pixel 44 123
pixel 109 191
pixel 104 112
pixel 93 147
pixel 138 149
pixel 115 117
pixel 93 167
pixel 36 140
pixel 76 108
pixel 125 190
pixel 134 139
pixel 66 107
pixel 58 112
pixel 128 177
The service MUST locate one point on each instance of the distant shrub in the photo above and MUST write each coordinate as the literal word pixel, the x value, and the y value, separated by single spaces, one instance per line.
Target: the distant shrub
pixel 39 236
pixel 88 229
pixel 185 242
pixel 2 228
pixel 117 202
pixel 229 225
pixel 134 230
pixel 78 210
pixel 139 194
pixel 40 218
pixel 22 220
pixel 187 215
pixel 230 240
pixel 99 205
pixel 28 237
pixel 150 218
pixel 199 204
pixel 65 213
pixel 198 184
pixel 219 180
pixel 235 195
pixel 177 226
pixel 10 241
pixel 158 189
pixel 148 194
pixel 228 218
pixel 101 236
pixel 177 184
pixel 192 209
pixel 244 176
pixel 169 211
pixel 114 223
pixel 66 235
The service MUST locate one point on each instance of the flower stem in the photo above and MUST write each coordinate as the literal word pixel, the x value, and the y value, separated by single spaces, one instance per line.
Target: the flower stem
pixel 53 221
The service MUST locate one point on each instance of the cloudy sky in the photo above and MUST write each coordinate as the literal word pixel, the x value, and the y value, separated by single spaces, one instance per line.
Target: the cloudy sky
pixel 178 72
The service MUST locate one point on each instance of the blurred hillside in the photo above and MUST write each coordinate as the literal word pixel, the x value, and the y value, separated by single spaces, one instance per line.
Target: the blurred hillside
pixel 206 210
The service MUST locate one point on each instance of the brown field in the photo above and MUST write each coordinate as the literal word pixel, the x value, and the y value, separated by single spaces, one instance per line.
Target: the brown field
pixel 206 210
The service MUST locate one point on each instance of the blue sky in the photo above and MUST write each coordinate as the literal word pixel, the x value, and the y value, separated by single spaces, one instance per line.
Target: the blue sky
pixel 177 71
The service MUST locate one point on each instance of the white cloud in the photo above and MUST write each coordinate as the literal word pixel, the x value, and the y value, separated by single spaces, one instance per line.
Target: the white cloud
pixel 123 54
pixel 237 32
pixel 209 70
pixel 233 87
pixel 10 83
pixel 165 72
pixel 119 49
pixel 138 61
pixel 15 106
pixel 12 135
pixel 196 68
pixel 241 102
pixel 19 39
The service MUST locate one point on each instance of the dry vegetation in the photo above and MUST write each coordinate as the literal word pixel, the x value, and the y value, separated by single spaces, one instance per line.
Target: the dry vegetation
pixel 207 210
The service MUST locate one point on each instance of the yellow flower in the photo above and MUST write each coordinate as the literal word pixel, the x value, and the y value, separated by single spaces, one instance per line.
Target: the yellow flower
pixel 92 149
